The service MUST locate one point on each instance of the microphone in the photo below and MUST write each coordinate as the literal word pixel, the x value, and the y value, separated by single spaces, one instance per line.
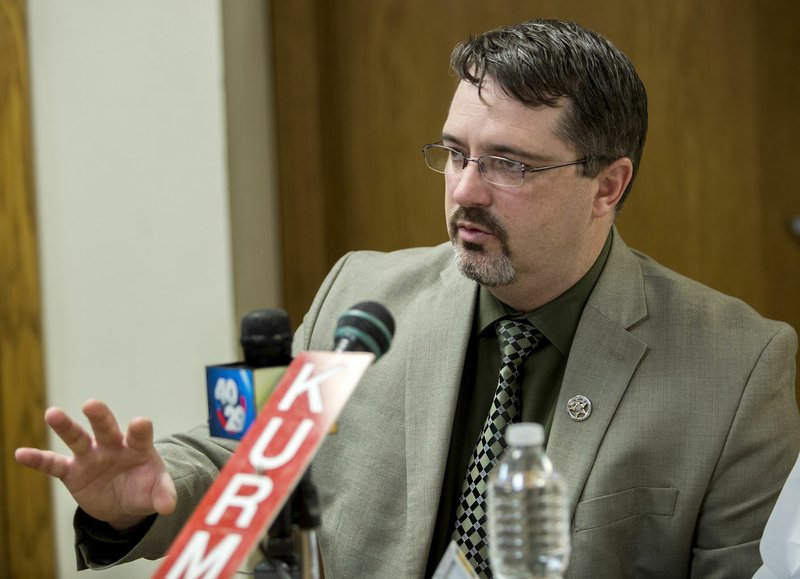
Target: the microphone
pixel 238 390
pixel 266 338
pixel 365 327
pixel 258 478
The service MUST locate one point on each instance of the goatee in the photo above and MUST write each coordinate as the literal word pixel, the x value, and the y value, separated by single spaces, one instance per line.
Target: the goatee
pixel 473 259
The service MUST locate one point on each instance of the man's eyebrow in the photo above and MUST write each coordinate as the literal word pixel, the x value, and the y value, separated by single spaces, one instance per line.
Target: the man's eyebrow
pixel 451 139
pixel 515 153
pixel 501 150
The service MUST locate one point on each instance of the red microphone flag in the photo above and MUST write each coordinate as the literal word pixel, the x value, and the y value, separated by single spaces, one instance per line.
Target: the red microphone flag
pixel 259 477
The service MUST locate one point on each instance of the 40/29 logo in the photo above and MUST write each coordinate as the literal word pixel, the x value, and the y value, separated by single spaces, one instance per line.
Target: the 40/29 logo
pixel 231 405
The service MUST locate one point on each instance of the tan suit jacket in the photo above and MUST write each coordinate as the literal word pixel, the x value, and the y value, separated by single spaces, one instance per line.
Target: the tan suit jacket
pixel 694 425
pixel 693 429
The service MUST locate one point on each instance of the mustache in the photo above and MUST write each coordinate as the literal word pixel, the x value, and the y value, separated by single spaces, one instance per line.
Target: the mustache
pixel 480 217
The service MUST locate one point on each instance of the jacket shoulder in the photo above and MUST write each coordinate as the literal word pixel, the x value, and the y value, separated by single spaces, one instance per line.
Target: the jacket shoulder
pixel 400 280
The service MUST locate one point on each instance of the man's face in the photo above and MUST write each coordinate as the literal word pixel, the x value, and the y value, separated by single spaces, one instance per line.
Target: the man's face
pixel 537 233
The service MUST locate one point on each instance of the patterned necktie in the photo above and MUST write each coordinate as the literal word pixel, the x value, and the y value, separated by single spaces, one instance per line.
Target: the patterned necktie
pixel 517 340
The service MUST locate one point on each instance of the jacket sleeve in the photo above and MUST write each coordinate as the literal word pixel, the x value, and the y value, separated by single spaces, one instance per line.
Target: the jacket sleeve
pixel 193 459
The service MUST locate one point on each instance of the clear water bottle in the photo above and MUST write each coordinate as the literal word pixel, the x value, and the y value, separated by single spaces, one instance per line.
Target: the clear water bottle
pixel 529 534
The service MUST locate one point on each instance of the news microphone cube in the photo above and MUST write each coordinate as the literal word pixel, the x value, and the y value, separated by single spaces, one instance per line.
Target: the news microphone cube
pixel 236 393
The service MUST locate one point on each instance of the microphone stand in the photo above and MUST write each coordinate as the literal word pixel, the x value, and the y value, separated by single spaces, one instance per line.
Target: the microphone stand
pixel 305 508
pixel 287 556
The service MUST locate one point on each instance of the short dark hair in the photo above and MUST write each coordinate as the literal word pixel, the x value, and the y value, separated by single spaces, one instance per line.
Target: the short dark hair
pixel 544 62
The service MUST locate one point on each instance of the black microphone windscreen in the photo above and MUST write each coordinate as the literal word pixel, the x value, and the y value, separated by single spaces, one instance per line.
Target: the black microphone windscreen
pixel 367 326
pixel 266 338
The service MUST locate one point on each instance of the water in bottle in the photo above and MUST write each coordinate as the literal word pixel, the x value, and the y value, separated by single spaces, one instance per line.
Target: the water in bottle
pixel 528 515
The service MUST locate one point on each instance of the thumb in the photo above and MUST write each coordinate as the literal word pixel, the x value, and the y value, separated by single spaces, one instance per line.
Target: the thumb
pixel 164 497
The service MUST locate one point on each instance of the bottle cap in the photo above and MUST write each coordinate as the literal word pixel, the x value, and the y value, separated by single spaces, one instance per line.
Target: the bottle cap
pixel 525 434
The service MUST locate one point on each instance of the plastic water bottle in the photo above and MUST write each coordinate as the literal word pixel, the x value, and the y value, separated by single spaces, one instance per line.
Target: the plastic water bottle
pixel 529 533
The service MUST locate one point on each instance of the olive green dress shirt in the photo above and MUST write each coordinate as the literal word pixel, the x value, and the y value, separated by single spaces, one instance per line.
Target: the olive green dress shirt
pixel 541 379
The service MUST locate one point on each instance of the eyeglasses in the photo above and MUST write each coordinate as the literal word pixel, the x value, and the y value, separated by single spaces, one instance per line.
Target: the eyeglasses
pixel 495 170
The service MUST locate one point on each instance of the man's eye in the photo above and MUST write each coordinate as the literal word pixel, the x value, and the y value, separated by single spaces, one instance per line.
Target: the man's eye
pixel 506 165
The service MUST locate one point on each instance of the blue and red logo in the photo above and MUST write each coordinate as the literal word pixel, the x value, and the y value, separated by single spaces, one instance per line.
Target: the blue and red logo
pixel 231 400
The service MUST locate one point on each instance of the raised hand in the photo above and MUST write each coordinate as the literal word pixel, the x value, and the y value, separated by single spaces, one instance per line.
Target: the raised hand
pixel 114 476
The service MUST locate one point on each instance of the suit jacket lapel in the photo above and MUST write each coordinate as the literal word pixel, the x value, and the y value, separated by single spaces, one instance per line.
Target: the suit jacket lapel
pixel 601 363
pixel 433 378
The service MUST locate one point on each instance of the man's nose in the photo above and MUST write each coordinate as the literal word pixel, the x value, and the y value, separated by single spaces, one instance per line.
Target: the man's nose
pixel 469 188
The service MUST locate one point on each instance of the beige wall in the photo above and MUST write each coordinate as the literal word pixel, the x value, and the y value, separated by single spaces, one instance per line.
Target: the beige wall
pixel 146 186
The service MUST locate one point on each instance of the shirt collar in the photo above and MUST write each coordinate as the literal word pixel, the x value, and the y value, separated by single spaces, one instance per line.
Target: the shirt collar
pixel 558 319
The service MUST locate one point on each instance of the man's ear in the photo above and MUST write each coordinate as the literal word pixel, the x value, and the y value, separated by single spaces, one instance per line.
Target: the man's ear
pixel 611 184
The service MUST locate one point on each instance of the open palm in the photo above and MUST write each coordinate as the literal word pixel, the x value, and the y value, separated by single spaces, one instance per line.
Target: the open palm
pixel 114 476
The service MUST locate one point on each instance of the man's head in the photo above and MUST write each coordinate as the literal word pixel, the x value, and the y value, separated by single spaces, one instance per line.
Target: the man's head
pixel 540 145
pixel 545 62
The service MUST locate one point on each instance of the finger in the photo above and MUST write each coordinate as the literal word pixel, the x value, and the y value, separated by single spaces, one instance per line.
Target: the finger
pixel 44 461
pixel 73 435
pixel 140 434
pixel 104 423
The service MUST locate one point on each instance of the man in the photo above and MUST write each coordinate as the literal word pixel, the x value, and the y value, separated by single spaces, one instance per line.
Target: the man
pixel 669 408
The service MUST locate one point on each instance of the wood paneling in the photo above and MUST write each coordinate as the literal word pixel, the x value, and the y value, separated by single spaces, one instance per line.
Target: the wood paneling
pixel 26 537
pixel 360 86
pixel 778 197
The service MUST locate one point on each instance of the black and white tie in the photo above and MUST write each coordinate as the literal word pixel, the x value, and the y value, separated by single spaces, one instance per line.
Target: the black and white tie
pixel 517 338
